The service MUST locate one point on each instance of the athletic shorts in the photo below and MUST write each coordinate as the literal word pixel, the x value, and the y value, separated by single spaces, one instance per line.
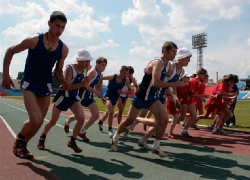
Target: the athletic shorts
pixel 171 107
pixel 87 102
pixel 112 98
pixel 124 99
pixel 39 89
pixel 162 99
pixel 212 107
pixel 140 103
pixel 64 103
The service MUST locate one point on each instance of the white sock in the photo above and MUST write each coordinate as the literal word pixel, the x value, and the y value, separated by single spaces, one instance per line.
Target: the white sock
pixel 184 130
pixel 214 129
pixel 156 144
pixel 83 130
pixel 116 136
pixel 66 122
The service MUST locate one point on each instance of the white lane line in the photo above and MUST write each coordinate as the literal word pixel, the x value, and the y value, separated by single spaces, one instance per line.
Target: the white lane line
pixel 10 129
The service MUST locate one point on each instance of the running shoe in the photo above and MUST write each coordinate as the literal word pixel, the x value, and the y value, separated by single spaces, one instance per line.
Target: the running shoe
pixel 84 137
pixel 195 127
pixel 132 126
pixel 185 134
pixel 72 144
pixel 125 132
pixel 159 152
pixel 111 134
pixel 41 143
pixel 100 123
pixel 222 131
pixel 20 149
pixel 17 147
pixel 114 145
pixel 144 146
pixel 26 154
pixel 183 124
pixel 217 131
pixel 171 136
pixel 231 124
pixel 66 127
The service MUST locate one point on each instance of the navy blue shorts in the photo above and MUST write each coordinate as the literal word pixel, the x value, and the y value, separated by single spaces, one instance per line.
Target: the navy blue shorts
pixel 140 103
pixel 112 98
pixel 64 103
pixel 87 102
pixel 124 99
pixel 39 89
pixel 162 99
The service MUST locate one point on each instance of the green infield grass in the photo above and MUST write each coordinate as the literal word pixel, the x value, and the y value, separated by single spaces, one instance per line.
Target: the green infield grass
pixel 242 113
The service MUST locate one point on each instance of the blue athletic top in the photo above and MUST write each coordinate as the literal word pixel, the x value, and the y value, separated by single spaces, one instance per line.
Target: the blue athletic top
pixel 39 62
pixel 76 78
pixel 92 83
pixel 113 86
pixel 146 89
pixel 172 78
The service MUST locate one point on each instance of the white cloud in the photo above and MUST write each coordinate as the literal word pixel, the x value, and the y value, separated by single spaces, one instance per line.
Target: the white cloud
pixel 189 16
pixel 142 51
pixel 85 27
pixel 103 45
pixel 248 42
pixel 70 7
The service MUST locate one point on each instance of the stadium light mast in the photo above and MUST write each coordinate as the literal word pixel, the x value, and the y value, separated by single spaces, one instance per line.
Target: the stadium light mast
pixel 199 41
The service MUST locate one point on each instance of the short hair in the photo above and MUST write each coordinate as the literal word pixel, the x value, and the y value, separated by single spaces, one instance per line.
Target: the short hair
pixel 101 59
pixel 168 45
pixel 57 15
pixel 124 68
pixel 230 77
pixel 202 71
pixel 130 70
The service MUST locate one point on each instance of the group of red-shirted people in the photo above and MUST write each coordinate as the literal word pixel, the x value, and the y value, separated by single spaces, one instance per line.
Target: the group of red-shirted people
pixel 192 97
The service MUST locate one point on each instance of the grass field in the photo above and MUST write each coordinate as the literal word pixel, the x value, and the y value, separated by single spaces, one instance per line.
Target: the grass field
pixel 242 113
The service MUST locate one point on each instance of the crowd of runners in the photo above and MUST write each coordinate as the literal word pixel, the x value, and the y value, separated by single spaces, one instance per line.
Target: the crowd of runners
pixel 166 89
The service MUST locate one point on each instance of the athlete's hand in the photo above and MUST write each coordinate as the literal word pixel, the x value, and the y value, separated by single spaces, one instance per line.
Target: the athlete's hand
pixel 99 94
pixel 178 104
pixel 104 100
pixel 179 83
pixel 65 84
pixel 119 91
pixel 85 80
pixel 7 83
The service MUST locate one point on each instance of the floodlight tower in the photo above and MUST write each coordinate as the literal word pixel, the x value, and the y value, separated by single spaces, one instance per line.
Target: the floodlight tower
pixel 199 41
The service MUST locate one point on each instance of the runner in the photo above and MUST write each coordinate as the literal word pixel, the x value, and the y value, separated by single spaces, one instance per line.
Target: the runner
pixel 44 51
pixel 112 94
pixel 146 96
pixel 69 98
pixel 95 86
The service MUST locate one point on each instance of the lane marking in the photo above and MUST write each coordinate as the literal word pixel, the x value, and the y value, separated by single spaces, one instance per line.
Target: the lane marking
pixel 5 122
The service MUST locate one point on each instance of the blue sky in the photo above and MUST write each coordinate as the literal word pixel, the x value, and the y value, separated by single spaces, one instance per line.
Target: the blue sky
pixel 131 33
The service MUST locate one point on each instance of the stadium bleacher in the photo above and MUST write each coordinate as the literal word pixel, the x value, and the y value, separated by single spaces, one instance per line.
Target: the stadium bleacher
pixel 11 92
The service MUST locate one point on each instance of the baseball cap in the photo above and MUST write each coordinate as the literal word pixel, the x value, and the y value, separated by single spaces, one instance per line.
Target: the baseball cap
pixel 83 55
pixel 183 53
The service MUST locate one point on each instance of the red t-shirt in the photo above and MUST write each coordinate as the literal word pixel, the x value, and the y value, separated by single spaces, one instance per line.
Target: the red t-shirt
pixel 193 90
pixel 216 98
pixel 201 90
pixel 182 93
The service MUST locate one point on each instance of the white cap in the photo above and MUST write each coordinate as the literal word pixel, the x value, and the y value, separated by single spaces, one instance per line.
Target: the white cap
pixel 183 53
pixel 83 55
pixel 186 74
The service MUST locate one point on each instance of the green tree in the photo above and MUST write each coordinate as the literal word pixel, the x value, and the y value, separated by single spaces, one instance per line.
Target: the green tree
pixel 19 76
